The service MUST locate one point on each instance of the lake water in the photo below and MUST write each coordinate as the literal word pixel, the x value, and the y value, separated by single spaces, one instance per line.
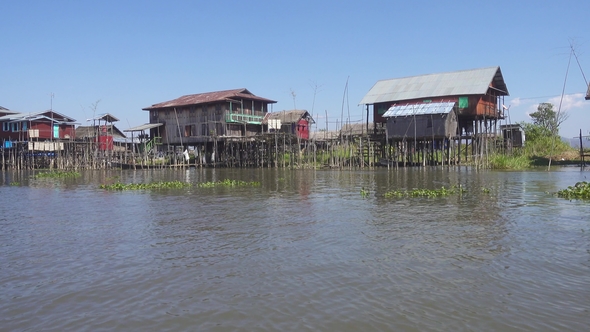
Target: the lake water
pixel 304 251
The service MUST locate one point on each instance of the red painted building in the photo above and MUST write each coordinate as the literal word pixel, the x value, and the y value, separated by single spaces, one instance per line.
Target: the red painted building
pixel 47 125
pixel 103 132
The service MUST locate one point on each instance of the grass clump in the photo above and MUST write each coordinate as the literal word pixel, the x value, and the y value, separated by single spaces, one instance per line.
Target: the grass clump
pixel 502 161
pixel 580 190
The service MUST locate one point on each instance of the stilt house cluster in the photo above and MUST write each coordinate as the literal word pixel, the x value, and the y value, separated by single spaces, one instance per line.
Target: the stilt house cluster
pixel 441 118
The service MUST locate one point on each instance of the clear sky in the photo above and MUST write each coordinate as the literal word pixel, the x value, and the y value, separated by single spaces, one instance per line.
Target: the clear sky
pixel 322 56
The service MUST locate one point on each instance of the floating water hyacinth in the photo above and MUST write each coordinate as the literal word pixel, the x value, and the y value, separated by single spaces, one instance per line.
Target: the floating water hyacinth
pixel 364 193
pixel 57 174
pixel 145 186
pixel 228 183
pixel 580 190
pixel 430 193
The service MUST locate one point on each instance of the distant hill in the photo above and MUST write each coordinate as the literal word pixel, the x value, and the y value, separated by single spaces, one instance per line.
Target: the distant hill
pixel 575 142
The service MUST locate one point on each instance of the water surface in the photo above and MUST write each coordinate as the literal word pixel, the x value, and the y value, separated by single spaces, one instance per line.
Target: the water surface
pixel 303 251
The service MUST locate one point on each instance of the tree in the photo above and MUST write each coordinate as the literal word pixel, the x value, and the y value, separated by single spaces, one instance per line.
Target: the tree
pixel 547 120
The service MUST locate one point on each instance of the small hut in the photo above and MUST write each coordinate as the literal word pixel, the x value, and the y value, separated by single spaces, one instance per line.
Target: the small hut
pixel 427 121
pixel 295 122
pixel 513 135
pixel 103 131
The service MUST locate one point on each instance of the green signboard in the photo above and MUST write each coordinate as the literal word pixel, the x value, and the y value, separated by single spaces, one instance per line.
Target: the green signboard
pixel 463 102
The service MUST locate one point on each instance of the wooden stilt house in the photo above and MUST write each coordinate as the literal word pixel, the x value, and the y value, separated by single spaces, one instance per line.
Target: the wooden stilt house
pixel 207 117
pixel 474 98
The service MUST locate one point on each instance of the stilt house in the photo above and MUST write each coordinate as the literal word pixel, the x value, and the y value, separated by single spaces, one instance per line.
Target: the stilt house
pixel 207 117
pixel 103 132
pixel 295 122
pixel 46 125
pixel 477 96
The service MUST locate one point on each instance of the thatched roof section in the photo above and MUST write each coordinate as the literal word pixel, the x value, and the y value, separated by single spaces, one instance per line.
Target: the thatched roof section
pixel 291 116
pixel 105 117
pixel 92 131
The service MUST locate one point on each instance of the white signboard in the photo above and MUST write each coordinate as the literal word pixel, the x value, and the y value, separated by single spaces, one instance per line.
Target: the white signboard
pixel 274 124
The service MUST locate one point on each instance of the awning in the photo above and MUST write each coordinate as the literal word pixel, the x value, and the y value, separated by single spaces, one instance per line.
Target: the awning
pixel 143 127
pixel 419 109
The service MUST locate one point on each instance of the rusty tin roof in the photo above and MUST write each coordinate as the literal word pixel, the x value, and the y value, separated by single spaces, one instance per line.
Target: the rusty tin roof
pixel 210 97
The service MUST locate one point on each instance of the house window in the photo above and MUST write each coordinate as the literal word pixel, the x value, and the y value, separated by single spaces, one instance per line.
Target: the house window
pixel 24 126
pixel 15 127
pixel 5 126
pixel 204 129
pixel 188 132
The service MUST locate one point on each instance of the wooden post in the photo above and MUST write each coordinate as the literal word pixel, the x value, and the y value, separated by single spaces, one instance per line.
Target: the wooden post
pixel 581 149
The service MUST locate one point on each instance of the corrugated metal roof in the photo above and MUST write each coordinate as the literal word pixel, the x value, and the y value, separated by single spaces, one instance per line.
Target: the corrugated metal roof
pixel 210 97
pixel 49 115
pixel 6 110
pixel 464 82
pixel 419 109
pixel 143 127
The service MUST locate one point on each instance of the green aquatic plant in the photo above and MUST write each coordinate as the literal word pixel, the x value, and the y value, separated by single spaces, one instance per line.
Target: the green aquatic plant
pixel 429 193
pixel 15 183
pixel 228 183
pixel 364 193
pixel 580 190
pixel 145 186
pixel 395 194
pixel 57 174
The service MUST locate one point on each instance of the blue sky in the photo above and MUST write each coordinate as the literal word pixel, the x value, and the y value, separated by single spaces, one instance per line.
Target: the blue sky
pixel 132 54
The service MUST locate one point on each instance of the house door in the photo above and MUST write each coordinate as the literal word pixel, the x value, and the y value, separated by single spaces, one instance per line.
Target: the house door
pixel 55 131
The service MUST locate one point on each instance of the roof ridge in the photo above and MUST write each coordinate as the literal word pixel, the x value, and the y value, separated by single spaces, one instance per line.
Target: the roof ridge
pixel 441 73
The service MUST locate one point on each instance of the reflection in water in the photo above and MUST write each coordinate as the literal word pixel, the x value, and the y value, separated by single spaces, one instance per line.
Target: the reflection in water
pixel 304 251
